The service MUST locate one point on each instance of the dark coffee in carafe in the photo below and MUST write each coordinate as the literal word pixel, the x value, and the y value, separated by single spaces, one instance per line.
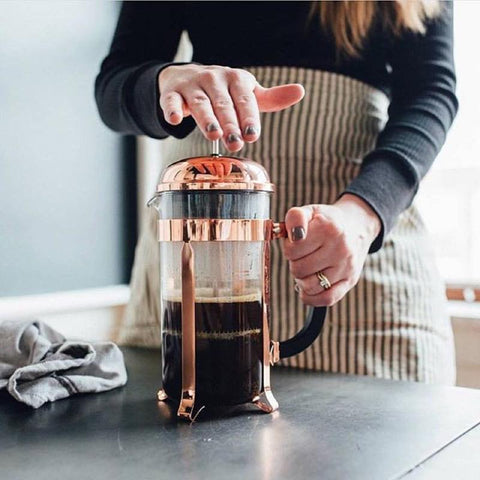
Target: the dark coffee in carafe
pixel 228 344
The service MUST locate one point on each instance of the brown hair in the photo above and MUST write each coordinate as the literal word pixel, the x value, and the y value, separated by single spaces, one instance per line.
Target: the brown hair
pixel 349 22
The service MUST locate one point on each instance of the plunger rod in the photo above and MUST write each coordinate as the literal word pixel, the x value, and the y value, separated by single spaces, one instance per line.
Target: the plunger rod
pixel 215 148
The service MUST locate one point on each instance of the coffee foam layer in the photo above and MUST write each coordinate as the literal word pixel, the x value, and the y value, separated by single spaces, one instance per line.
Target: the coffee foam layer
pixel 226 335
pixel 206 295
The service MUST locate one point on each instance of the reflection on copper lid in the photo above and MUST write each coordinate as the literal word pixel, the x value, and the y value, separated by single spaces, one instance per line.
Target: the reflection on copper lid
pixel 215 172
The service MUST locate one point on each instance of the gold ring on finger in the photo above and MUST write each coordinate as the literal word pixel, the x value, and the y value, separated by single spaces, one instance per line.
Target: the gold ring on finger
pixel 323 280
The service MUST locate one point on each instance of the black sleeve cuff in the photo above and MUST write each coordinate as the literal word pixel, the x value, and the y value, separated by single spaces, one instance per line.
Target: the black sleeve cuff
pixel 146 101
pixel 386 188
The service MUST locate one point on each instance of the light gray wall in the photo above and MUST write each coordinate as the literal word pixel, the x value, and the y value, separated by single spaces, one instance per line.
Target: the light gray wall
pixel 61 173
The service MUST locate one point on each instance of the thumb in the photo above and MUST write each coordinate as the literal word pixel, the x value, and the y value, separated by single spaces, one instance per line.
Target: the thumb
pixel 297 220
pixel 278 98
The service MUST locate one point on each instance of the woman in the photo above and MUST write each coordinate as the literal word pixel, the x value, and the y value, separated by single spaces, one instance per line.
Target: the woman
pixel 347 160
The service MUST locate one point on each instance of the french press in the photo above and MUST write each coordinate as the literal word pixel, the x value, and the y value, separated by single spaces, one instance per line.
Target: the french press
pixel 214 230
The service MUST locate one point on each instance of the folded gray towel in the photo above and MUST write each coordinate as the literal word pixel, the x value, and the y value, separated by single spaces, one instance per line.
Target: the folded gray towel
pixel 38 365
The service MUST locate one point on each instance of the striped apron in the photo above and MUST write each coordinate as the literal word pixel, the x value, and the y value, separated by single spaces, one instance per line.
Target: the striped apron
pixel 393 323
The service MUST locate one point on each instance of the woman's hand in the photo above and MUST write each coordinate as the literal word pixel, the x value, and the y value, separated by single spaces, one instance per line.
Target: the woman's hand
pixel 224 102
pixel 333 240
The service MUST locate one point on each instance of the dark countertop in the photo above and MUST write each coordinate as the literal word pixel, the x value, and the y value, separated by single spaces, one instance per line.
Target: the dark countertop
pixel 328 427
pixel 459 460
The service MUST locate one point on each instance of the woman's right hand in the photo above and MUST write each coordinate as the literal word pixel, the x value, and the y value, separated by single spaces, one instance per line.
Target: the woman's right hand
pixel 224 102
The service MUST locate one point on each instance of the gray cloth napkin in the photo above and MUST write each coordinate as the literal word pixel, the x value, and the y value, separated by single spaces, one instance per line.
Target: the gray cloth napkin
pixel 38 365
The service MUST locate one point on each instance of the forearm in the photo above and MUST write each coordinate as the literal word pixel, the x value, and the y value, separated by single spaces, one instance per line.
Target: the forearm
pixel 126 88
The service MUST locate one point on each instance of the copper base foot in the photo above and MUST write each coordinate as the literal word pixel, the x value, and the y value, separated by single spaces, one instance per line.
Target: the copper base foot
pixel 266 401
pixel 162 396
pixel 186 408
pixel 187 404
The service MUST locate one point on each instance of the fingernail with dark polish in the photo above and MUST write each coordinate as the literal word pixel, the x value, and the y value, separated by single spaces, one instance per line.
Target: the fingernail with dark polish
pixel 298 233
pixel 250 130
pixel 232 138
pixel 212 127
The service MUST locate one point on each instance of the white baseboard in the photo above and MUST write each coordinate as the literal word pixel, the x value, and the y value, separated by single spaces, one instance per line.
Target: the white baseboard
pixel 98 325
pixel 90 314
pixel 27 306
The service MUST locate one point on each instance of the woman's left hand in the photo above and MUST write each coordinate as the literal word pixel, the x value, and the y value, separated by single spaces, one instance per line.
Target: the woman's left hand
pixel 333 240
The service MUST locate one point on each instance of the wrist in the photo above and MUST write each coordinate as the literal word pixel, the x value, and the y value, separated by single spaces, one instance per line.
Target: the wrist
pixel 359 210
pixel 165 73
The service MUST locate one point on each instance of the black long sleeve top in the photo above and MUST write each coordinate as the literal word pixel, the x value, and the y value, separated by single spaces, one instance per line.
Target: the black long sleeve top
pixel 416 71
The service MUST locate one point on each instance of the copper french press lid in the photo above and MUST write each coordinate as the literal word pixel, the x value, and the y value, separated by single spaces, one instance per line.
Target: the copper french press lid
pixel 215 172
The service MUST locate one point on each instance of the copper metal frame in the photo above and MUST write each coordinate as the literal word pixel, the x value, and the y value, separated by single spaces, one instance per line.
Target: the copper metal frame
pixel 187 399
pixel 188 230
pixel 266 400
pixel 214 230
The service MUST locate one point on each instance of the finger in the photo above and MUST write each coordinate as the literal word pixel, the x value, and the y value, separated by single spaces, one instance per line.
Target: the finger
pixel 296 223
pixel 318 260
pixel 320 230
pixel 278 98
pixel 330 254
pixel 311 284
pixel 327 298
pixel 202 112
pixel 172 105
pixel 226 115
pixel 247 110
